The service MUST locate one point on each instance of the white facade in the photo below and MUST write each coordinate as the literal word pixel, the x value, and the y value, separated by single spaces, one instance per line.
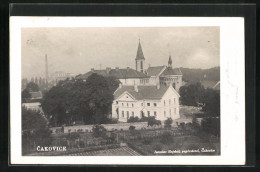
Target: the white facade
pixel 165 107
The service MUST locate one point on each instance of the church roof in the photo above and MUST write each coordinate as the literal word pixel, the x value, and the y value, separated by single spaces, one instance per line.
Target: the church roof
pixel 139 55
pixel 117 73
pixel 144 92
pixel 171 71
pixel 154 71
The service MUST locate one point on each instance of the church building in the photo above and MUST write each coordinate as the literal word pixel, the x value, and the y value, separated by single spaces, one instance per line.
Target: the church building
pixel 144 92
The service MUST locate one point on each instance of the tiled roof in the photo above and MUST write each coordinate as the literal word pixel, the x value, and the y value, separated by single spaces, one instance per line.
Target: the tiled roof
pixel 144 92
pixel 171 71
pixel 139 55
pixel 117 73
pixel 36 95
pixel 154 71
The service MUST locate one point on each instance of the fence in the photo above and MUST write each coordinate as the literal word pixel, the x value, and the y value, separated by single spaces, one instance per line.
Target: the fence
pixel 108 127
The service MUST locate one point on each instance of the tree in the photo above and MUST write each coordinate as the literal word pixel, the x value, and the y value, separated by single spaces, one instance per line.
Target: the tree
pixel 32 119
pixel 34 130
pixel 211 125
pixel 32 87
pixel 192 94
pixel 168 123
pixel 212 102
pixel 25 95
pixel 100 97
pixel 54 105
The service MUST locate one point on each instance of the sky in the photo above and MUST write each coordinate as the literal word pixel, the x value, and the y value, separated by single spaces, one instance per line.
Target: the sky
pixel 77 50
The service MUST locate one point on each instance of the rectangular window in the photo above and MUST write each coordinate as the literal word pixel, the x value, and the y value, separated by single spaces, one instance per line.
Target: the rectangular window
pixel 169 101
pixel 133 114
pixel 164 103
pixel 132 105
pixel 127 104
pixel 155 113
pixel 148 104
pixel 142 104
pixel 122 104
pixel 155 104
pixel 164 113
pixel 123 114
pixel 170 112
pixel 148 112
pixel 116 102
pixel 127 114
pixel 174 100
pixel 174 110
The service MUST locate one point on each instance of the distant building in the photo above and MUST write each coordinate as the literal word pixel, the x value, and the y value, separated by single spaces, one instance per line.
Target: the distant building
pixel 211 84
pixel 144 101
pixel 163 75
pixel 33 106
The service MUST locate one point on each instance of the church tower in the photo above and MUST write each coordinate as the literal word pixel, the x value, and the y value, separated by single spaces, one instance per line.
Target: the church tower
pixel 139 60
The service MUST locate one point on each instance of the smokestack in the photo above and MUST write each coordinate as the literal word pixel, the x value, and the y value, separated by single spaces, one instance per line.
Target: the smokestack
pixel 46 68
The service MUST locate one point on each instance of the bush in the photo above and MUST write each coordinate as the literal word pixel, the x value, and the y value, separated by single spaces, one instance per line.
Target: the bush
pixel 99 131
pixel 211 125
pixel 42 136
pixel 74 135
pixel 147 141
pixel 167 138
pixel 132 128
pixel 168 123
pixel 133 119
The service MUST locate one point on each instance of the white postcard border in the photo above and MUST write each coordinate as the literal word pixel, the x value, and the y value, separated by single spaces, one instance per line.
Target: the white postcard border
pixel 232 76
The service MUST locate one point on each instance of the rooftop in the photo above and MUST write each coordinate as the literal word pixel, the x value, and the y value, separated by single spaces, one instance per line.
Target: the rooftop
pixel 154 71
pixel 117 73
pixel 171 71
pixel 144 92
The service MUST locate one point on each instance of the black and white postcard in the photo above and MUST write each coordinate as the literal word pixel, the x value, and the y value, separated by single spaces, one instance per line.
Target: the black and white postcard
pixel 127 90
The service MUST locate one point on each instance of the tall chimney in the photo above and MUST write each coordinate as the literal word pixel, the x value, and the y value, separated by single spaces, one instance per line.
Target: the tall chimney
pixel 46 68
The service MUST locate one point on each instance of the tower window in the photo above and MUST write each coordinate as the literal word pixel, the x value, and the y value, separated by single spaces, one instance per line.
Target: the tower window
pixel 141 65
pixel 123 114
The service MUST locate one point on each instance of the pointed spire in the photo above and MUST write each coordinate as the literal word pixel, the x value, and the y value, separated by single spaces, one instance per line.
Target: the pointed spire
pixel 139 55
pixel 170 61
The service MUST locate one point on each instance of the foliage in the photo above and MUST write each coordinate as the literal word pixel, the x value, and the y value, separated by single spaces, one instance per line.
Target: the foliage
pixel 152 121
pixel 147 141
pixel 42 136
pixel 158 147
pixel 168 123
pixel 196 75
pixel 212 102
pixel 211 125
pixel 31 86
pixel 133 119
pixel 132 128
pixel 74 135
pixel 196 94
pixel 32 119
pixel 99 131
pixel 192 94
pixel 54 105
pixel 195 123
pixel 77 100
pixel 25 95
pixel 166 138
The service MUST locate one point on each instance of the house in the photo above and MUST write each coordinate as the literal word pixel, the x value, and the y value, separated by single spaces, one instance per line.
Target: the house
pixel 143 101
